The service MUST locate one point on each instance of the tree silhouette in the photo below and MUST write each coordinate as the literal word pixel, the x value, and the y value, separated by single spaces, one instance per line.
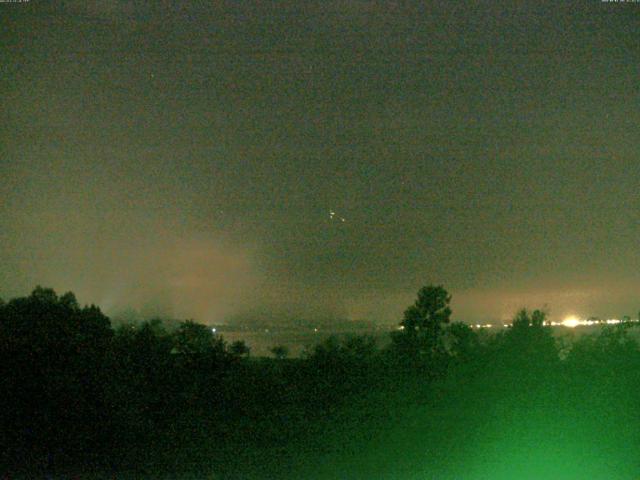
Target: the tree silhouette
pixel 52 355
pixel 193 338
pixel 610 344
pixel 43 323
pixel 239 348
pixel 463 341
pixel 280 352
pixel 344 349
pixel 422 325
pixel 529 340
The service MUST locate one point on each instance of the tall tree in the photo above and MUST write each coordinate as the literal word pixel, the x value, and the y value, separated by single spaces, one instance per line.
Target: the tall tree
pixel 529 340
pixel 193 338
pixel 422 325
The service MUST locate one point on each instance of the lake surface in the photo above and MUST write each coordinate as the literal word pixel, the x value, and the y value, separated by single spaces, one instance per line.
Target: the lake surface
pixel 296 341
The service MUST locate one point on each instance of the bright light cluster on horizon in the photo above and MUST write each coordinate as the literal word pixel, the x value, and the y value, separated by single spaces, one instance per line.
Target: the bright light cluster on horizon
pixel 570 322
pixel 574 321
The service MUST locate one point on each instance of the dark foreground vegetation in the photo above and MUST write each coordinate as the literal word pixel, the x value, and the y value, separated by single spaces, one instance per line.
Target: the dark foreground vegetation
pixel 80 399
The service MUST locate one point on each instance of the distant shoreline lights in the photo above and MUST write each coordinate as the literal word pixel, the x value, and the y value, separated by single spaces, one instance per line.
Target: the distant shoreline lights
pixel 570 322
pixel 574 321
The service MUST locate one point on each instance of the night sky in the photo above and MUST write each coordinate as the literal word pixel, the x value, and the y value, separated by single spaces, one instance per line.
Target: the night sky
pixel 226 160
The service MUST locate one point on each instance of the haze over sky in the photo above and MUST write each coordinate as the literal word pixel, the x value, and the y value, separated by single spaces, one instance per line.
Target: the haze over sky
pixel 198 159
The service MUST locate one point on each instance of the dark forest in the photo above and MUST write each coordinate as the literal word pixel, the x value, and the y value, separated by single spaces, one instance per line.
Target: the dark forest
pixel 84 400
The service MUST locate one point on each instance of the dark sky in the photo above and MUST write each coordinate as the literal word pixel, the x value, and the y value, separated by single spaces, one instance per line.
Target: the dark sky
pixel 186 157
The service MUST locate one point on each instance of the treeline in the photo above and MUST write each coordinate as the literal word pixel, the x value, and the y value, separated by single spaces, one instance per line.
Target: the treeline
pixel 81 399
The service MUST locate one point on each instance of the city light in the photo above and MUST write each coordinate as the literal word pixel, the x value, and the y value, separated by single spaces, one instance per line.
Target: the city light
pixel 571 322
